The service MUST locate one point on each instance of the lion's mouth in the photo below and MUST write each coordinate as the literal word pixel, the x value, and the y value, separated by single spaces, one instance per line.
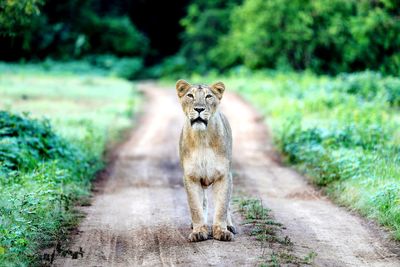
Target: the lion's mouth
pixel 198 120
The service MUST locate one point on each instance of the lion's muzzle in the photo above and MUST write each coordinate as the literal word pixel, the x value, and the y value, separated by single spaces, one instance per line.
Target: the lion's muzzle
pixel 198 120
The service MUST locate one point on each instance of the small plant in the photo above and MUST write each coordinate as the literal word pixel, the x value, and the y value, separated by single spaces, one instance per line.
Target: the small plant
pixel 309 258
pixel 274 262
pixel 253 209
pixel 266 230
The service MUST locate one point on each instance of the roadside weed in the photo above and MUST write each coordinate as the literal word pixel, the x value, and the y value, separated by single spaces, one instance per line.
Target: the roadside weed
pixel 278 249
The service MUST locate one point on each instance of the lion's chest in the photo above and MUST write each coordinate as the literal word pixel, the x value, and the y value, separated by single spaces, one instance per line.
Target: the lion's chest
pixel 205 166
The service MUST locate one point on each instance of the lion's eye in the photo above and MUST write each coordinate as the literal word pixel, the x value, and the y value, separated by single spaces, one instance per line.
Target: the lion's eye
pixel 190 95
pixel 209 96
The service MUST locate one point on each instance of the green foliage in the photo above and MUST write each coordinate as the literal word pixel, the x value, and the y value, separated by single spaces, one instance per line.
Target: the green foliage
pixel 333 37
pixel 369 86
pixel 269 34
pixel 74 29
pixel 324 36
pixel 206 22
pixel 25 142
pixel 334 153
pixel 343 132
pixel 46 166
pixel 40 176
pixel 173 67
pixel 114 35
pixel 16 15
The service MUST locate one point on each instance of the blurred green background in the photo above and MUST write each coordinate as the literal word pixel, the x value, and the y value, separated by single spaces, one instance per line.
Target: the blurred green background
pixel 200 35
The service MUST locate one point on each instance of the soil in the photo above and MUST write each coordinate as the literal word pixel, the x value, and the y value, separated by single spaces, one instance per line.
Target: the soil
pixel 139 214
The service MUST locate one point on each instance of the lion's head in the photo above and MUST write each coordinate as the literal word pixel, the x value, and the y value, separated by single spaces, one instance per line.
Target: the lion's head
pixel 199 102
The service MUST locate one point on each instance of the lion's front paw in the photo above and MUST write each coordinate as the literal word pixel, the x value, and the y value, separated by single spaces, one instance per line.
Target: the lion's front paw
pixel 199 234
pixel 221 234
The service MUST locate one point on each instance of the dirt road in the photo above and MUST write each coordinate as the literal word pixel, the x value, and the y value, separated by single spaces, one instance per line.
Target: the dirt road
pixel 139 215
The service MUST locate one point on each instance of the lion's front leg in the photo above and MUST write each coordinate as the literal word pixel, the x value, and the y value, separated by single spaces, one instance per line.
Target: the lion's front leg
pixel 222 190
pixel 195 194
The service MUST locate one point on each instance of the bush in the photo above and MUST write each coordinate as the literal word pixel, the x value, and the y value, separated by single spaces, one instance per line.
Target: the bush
pixel 333 153
pixel 114 35
pixel 173 67
pixel 72 30
pixel 16 16
pixel 392 88
pixel 326 37
pixel 205 23
pixel 370 86
pixel 25 142
pixel 41 175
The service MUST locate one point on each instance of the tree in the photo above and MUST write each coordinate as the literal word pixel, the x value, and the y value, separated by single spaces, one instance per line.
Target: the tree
pixel 16 15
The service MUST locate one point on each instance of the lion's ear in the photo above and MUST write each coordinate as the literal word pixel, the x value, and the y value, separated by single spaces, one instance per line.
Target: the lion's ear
pixel 218 89
pixel 182 87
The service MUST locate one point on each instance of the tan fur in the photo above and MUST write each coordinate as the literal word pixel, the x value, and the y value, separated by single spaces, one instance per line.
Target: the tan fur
pixel 205 149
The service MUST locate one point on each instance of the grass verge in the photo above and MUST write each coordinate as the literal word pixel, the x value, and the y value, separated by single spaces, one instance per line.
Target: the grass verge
pixel 49 157
pixel 342 132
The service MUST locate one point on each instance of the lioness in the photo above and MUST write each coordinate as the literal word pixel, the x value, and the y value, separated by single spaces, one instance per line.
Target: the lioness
pixel 205 149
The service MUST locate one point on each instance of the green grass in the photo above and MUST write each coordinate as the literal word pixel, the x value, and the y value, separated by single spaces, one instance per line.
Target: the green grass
pixel 46 165
pixel 278 249
pixel 74 104
pixel 342 132
pixel 98 65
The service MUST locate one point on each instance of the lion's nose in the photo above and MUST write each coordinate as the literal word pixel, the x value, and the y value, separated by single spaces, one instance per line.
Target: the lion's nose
pixel 199 110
